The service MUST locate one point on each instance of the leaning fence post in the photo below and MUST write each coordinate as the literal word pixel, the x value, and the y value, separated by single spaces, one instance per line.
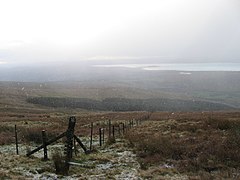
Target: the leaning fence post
pixel 16 139
pixel 91 136
pixel 44 139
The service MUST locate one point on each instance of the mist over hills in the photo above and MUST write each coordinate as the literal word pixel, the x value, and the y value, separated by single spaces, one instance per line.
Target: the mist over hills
pixel 88 70
pixel 84 80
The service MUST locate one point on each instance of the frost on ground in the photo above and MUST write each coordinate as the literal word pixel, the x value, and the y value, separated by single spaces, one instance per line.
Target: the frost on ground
pixel 116 161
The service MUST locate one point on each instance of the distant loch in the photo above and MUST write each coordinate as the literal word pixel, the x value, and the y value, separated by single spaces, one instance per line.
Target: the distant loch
pixel 178 66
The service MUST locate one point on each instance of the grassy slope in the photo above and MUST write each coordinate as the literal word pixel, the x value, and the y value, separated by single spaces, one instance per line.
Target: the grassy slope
pixel 201 145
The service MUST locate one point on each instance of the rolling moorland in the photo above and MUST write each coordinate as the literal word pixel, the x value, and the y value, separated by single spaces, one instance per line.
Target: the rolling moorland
pixel 192 132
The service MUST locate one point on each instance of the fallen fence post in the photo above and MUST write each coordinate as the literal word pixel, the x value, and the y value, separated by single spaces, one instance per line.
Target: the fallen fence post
pixel 16 139
pixel 47 143
pixel 44 145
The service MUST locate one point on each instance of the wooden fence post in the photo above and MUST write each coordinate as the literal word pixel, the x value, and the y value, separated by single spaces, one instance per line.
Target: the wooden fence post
pixel 74 146
pixel 100 137
pixel 103 140
pixel 16 139
pixel 91 136
pixel 44 140
pixel 69 146
pixel 109 129
pixel 125 126
pixel 113 131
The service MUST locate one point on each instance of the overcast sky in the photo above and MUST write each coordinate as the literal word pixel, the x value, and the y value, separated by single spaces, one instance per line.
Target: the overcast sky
pixel 60 30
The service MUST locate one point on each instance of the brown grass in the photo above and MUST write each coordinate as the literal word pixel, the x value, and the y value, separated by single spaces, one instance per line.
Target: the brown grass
pixel 59 163
pixel 193 144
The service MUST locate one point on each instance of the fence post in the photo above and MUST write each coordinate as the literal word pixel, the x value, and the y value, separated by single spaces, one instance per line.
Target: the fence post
pixel 91 136
pixel 103 135
pixel 125 126
pixel 74 146
pixel 109 129
pixel 100 137
pixel 69 146
pixel 44 139
pixel 16 139
pixel 113 129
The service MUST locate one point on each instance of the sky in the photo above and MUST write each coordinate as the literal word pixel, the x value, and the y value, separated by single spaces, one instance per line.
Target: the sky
pixel 40 31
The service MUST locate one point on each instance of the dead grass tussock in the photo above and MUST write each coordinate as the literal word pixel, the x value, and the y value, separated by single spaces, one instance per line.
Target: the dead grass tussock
pixel 6 138
pixel 59 163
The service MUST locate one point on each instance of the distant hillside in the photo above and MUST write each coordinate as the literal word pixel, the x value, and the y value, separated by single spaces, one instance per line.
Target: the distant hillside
pixel 122 104
pixel 128 83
